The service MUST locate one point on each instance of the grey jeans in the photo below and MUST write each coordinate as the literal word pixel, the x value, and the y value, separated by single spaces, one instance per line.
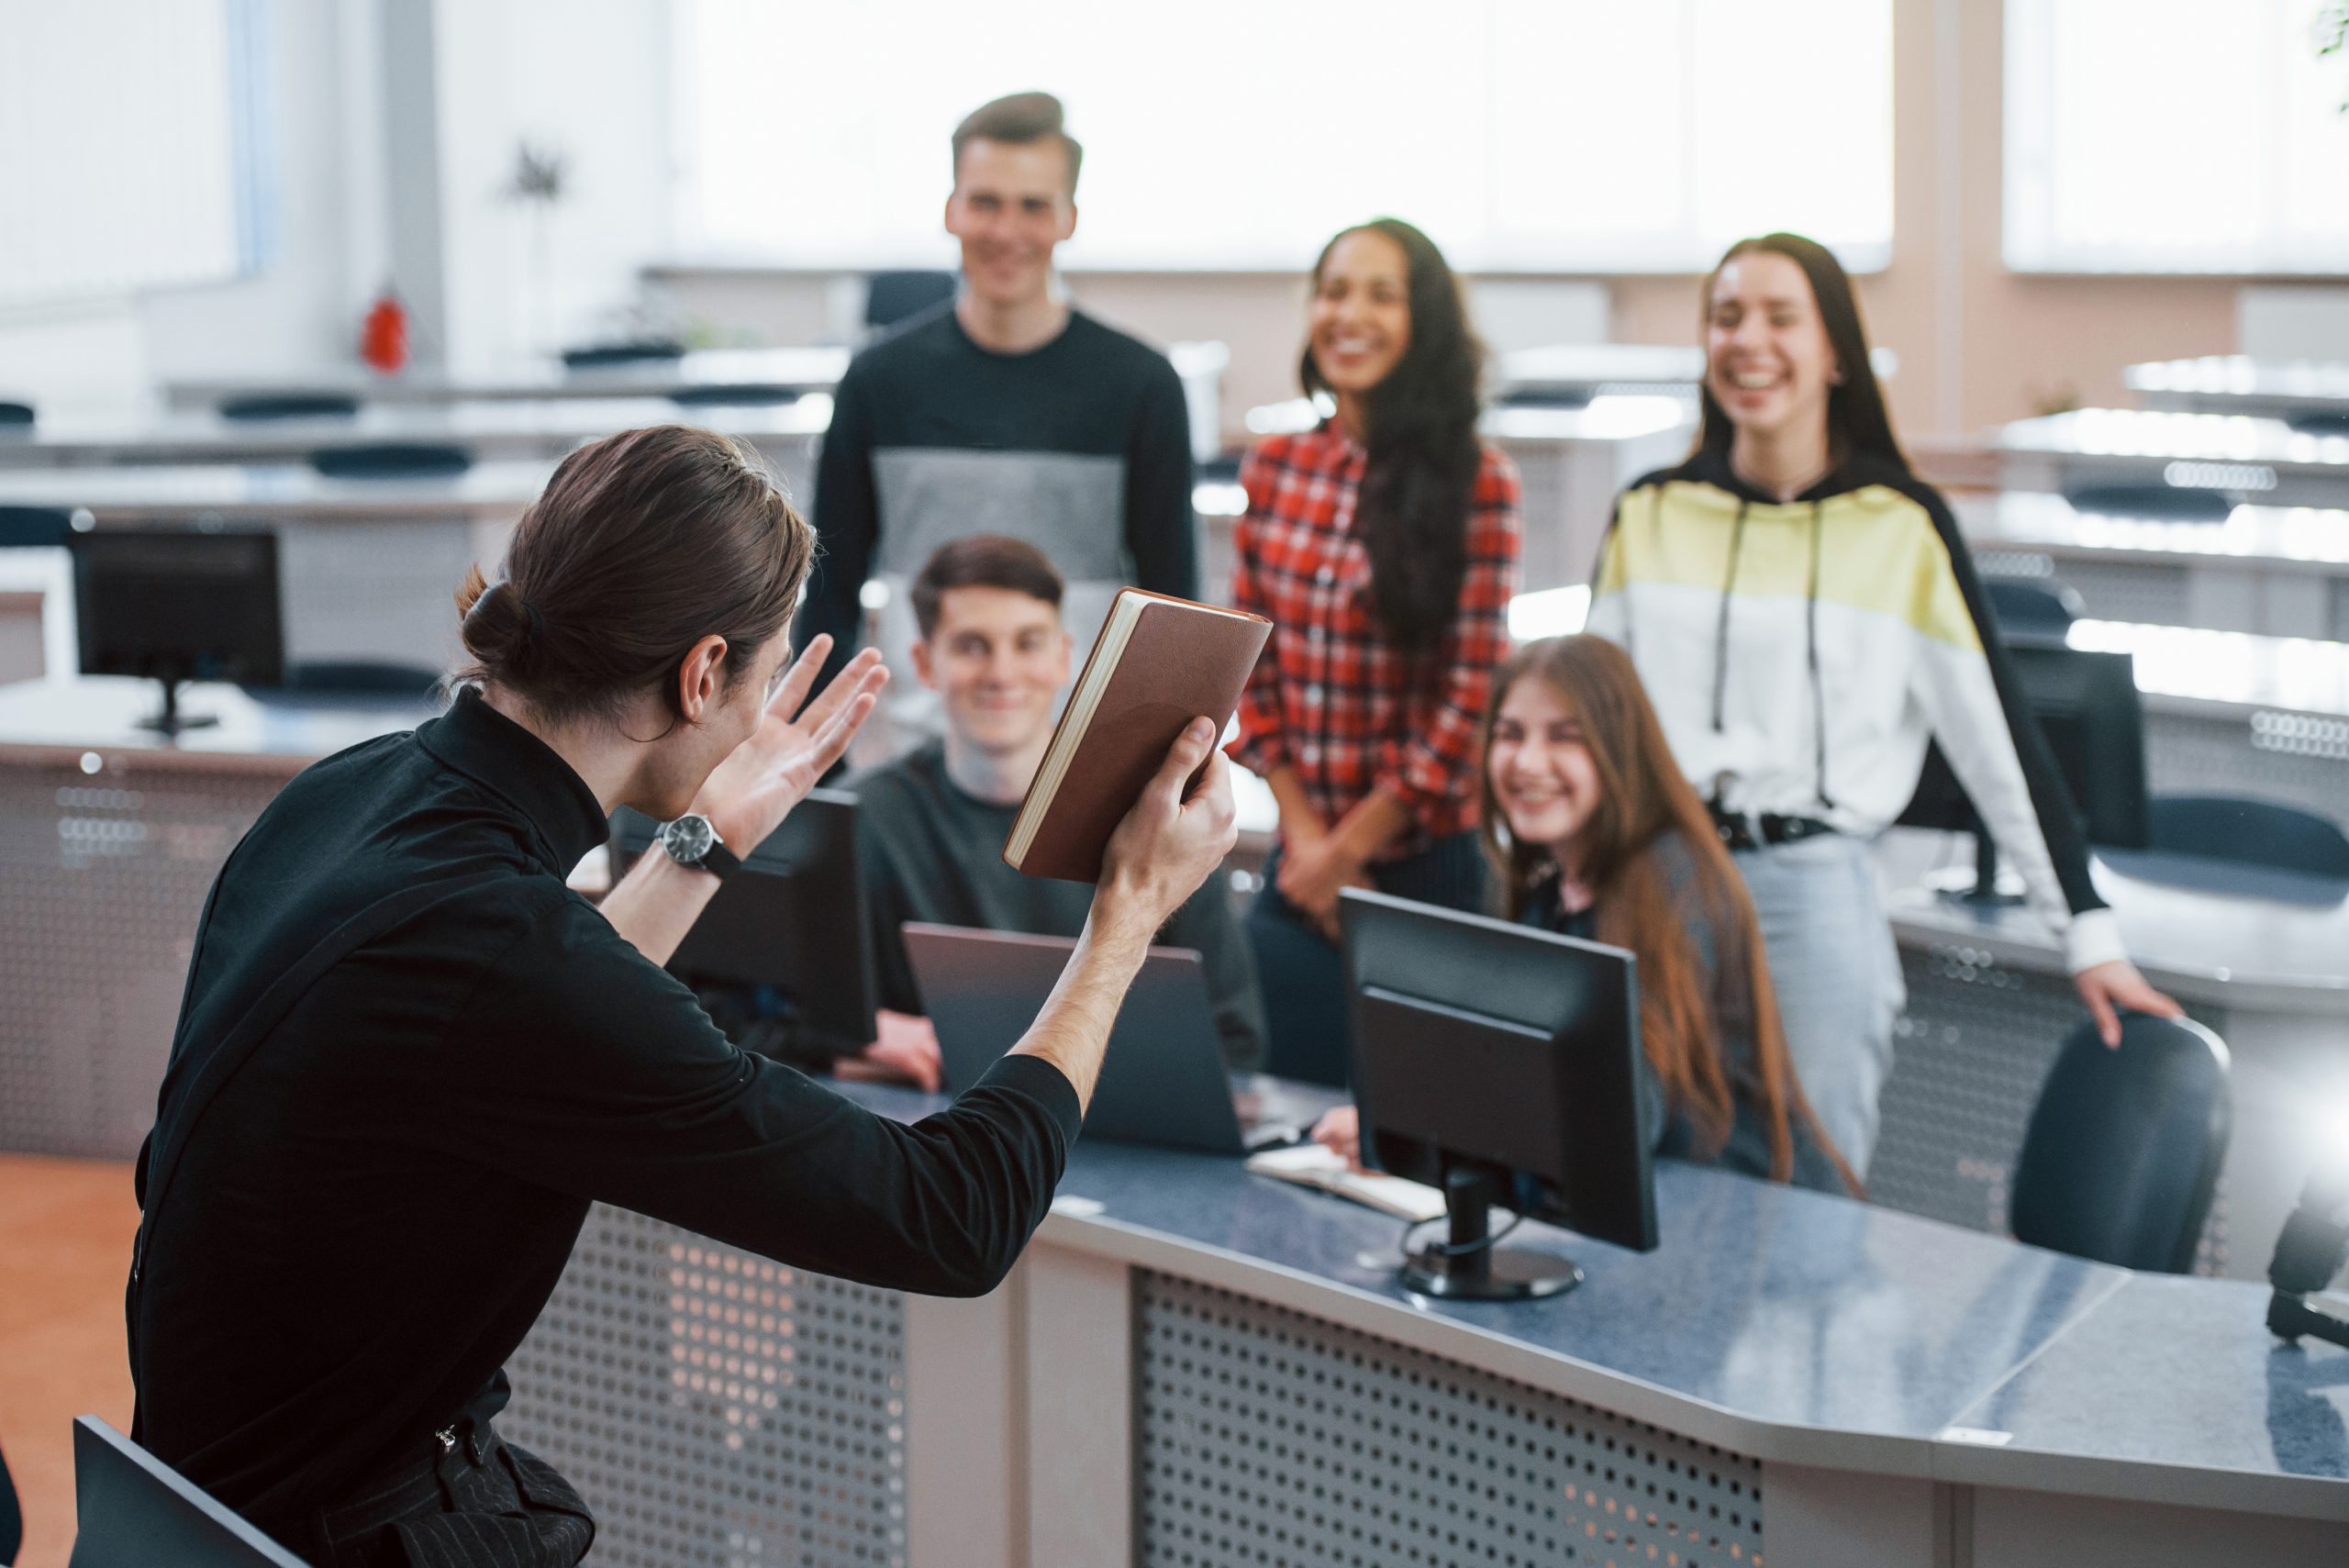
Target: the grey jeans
pixel 1837 975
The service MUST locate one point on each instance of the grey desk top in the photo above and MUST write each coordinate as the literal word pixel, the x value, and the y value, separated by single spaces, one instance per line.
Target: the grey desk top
pixel 1606 419
pixel 499 488
pixel 810 370
pixel 526 428
pixel 2141 434
pixel 42 720
pixel 2226 935
pixel 2239 383
pixel 2311 537
pixel 1785 1324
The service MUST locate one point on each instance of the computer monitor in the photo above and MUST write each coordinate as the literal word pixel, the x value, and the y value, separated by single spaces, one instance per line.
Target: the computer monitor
pixel 1501 1063
pixel 792 918
pixel 2086 704
pixel 176 605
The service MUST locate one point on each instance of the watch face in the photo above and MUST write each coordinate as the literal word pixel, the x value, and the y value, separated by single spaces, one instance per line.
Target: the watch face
pixel 688 838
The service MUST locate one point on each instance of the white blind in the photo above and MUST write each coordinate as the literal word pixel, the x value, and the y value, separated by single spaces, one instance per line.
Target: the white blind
pixel 125 145
pixel 1523 134
pixel 2174 136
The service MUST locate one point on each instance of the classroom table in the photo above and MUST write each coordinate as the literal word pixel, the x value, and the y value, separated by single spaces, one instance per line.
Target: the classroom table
pixel 787 433
pixel 1197 1366
pixel 2310 392
pixel 2280 570
pixel 2236 456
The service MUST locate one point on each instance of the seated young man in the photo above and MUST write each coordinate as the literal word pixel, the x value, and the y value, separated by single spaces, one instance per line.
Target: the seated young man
pixel 930 825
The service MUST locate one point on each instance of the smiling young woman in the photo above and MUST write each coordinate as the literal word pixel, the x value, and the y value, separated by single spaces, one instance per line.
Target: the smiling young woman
pixel 1804 613
pixel 1383 545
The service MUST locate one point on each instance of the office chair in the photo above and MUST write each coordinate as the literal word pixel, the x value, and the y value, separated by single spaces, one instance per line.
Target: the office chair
pixel 392 460
pixel 358 677
pixel 891 298
pixel 2250 832
pixel 2167 502
pixel 2123 1150
pixel 15 414
pixel 34 527
pixel 735 394
pixel 136 1512
pixel 291 405
pixel 2029 607
pixel 637 351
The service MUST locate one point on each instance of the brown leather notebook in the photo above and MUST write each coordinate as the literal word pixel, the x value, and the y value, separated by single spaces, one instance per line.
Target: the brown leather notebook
pixel 1159 663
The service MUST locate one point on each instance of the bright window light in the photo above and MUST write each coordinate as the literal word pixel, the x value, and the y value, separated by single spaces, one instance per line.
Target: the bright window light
pixel 1523 134
pixel 2174 136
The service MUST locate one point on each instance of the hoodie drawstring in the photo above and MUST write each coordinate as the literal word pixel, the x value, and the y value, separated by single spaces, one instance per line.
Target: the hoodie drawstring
pixel 1818 685
pixel 1720 629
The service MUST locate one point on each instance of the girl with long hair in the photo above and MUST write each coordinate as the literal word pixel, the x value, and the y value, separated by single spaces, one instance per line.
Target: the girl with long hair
pixel 1592 832
pixel 1384 546
pixel 1805 616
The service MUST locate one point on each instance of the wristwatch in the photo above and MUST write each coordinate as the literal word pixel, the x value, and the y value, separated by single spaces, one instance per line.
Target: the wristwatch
pixel 692 842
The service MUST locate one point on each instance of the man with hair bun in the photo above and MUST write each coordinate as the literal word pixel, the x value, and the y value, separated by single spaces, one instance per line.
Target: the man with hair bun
pixel 1005 411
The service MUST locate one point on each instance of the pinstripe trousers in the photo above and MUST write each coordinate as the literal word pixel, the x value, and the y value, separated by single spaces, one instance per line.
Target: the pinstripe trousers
pixel 482 1504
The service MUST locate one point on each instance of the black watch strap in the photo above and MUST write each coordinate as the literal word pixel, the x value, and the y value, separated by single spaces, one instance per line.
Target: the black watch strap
pixel 720 861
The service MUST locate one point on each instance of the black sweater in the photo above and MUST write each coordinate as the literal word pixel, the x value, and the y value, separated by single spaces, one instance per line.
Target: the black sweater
pixel 370 1215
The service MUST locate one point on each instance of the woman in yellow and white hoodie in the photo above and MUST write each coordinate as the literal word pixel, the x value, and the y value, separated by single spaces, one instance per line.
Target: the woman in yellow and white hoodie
pixel 1805 618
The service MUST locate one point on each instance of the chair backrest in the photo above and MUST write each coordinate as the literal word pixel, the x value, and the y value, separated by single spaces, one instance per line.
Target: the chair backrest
pixel 735 394
pixel 16 412
pixel 634 352
pixel 390 459
pixel 291 405
pixel 34 527
pixel 2249 831
pixel 135 1511
pixel 359 677
pixel 890 297
pixel 2123 1150
pixel 2029 607
pixel 2167 500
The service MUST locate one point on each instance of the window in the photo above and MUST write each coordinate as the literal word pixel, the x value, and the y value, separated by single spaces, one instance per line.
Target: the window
pixel 1524 135
pixel 130 146
pixel 2174 136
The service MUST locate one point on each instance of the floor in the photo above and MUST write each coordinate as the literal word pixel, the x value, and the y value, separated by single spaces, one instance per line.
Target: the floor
pixel 65 1230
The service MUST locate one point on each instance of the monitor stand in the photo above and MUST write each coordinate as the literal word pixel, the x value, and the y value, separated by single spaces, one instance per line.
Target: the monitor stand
pixel 1468 1267
pixel 1987 888
pixel 171 721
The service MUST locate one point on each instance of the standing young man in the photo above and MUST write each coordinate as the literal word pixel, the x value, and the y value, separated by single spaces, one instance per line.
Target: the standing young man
pixel 930 825
pixel 1007 412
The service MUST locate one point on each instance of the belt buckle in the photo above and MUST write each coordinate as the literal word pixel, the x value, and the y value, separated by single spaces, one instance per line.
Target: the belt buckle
pixel 447 1438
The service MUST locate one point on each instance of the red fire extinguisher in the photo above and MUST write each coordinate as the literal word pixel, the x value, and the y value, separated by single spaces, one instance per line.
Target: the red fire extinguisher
pixel 383 335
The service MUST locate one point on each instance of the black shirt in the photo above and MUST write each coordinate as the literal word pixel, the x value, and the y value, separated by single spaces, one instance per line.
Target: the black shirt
pixel 370 1215
pixel 927 849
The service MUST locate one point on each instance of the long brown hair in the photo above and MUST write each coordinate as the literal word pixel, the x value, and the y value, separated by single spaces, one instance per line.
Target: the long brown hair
pixel 1857 421
pixel 1642 797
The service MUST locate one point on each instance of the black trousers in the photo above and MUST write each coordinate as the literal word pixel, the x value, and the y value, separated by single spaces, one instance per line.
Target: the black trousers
pixel 482 1504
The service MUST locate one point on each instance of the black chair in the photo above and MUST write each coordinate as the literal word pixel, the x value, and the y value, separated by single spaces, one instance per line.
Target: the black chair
pixel 637 351
pixel 135 1511
pixel 34 527
pixel 357 678
pixel 291 405
pixel 2319 421
pixel 392 460
pixel 15 414
pixel 2029 606
pixel 2124 1146
pixel 2167 502
pixel 736 395
pixel 891 298
pixel 2250 832
pixel 1568 397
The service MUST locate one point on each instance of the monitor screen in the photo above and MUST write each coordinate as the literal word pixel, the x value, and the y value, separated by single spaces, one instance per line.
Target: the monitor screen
pixel 178 604
pixel 792 918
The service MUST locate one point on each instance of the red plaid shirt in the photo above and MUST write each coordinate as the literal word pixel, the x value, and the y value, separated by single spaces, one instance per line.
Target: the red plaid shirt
pixel 1332 697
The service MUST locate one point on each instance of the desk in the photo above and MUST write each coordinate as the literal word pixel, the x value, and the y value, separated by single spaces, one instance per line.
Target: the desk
pixel 1571 464
pixel 2242 458
pixel 368 565
pixel 787 433
pixel 1194 1365
pixel 110 838
pixel 2281 571
pixel 1989 1003
pixel 2237 383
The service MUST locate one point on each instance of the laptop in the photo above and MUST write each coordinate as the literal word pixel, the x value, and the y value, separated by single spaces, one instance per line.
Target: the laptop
pixel 1163 1081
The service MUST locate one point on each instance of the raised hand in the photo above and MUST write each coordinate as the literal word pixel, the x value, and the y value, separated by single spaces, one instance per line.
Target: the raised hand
pixel 746 797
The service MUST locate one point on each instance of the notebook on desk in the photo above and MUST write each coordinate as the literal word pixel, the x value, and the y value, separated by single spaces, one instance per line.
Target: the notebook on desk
pixel 1163 1081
